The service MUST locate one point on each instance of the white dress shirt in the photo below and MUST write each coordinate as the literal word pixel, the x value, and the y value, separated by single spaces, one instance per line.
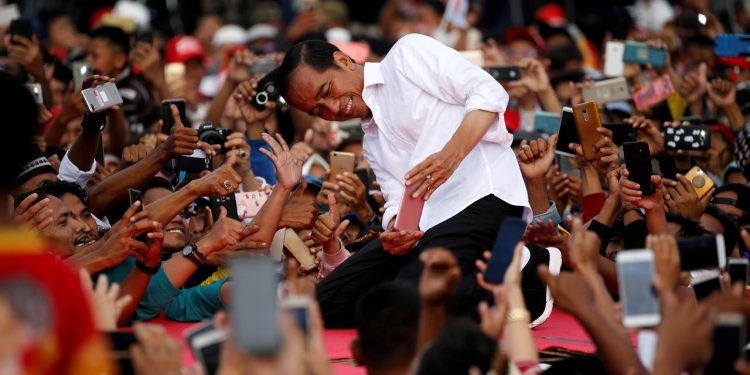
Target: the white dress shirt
pixel 418 96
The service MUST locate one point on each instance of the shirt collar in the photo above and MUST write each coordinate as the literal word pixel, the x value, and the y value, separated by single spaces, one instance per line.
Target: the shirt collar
pixel 373 75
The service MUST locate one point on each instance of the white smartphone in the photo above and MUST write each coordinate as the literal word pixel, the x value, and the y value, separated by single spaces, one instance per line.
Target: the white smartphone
pixel 704 283
pixel 102 97
pixel 254 312
pixel 613 64
pixel 737 269
pixel 702 252
pixel 635 276
pixel 611 90
pixel 81 71
pixel 475 57
pixel 205 342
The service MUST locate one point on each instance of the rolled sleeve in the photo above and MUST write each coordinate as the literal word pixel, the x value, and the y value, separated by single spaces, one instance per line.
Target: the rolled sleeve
pixel 197 303
pixel 70 173
pixel 159 294
pixel 550 214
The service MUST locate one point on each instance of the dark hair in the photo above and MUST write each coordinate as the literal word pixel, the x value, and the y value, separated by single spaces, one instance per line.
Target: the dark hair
pixel 688 228
pixel 437 6
pixel 19 198
pixel 115 37
pixel 60 188
pixel 460 345
pixel 20 114
pixel 157 182
pixel 386 318
pixel 743 194
pixel 729 225
pixel 317 54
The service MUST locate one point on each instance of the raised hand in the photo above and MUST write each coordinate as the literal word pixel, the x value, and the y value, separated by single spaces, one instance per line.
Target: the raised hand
pixel 156 352
pixel 222 181
pixel 242 94
pixel 571 291
pixel 536 157
pixel 694 84
pixel 224 233
pixel 299 211
pixel 630 193
pixel 33 216
pixel 647 131
pixel 182 140
pixel 106 304
pixel 666 259
pixel 328 227
pixel 120 243
pixel 440 275
pixel 533 76
pixel 288 165
pixel 722 93
pixel 584 248
pixel 681 198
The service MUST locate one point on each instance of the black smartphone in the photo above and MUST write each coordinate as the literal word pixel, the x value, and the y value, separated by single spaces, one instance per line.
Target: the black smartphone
pixel 638 162
pixel 505 73
pixel 22 27
pixel 511 231
pixel 692 137
pixel 167 121
pixel 728 343
pixel 705 284
pixel 121 343
pixel 704 252
pixel 144 36
pixel 621 133
pixel 229 202
pixel 254 310
pixel 136 195
pixel 737 269
pixel 205 342
pixel 567 133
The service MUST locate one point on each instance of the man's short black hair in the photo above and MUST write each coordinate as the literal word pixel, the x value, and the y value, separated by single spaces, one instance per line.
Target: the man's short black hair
pixel 317 54
pixel 386 318
pixel 20 117
pixel 115 37
pixel 60 188
pixel 459 346
pixel 730 227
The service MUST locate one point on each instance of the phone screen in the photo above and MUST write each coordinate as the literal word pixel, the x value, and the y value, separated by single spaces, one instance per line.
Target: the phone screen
pixel 511 231
pixel 728 343
pixel 704 288
pixel 621 133
pixel 253 311
pixel 637 293
pixel 698 253
pixel 737 272
pixel 567 133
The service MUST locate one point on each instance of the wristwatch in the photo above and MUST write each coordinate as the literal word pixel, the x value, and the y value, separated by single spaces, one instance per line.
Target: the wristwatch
pixel 146 269
pixel 191 252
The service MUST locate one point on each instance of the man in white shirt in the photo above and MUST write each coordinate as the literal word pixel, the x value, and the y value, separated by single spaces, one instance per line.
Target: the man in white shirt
pixel 432 122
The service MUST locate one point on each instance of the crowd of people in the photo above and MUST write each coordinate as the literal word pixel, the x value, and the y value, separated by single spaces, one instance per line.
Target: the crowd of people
pixel 313 132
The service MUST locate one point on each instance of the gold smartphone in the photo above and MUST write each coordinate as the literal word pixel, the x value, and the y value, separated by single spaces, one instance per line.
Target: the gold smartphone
pixel 341 162
pixel 587 120
pixel 702 182
pixel 297 248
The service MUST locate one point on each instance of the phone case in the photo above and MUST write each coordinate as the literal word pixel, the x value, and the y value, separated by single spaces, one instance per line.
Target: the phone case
pixel 227 202
pixel 643 54
pixel 587 120
pixel 249 203
pixel 611 90
pixel 101 98
pixel 638 162
pixel 692 137
pixel 254 308
pixel 566 133
pixel 410 211
pixel 702 182
pixel 341 162
pixel 546 122
pixel 297 248
pixel 657 91
pixel 36 90
pixel 613 64
pixel 81 71
pixel 732 45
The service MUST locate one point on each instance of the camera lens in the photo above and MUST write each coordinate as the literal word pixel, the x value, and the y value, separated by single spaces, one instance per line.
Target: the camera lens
pixel 261 97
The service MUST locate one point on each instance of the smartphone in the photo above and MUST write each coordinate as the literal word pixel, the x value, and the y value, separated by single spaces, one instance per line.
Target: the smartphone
pixel 705 283
pixel 566 133
pixel 205 342
pixel 586 116
pixel 546 122
pixel 299 307
pixel 505 73
pixel 22 27
pixel 702 182
pixel 692 137
pixel 263 66
pixel 249 203
pixel 566 165
pixel 732 45
pixel 144 36
pixel 729 340
pixel 613 64
pixel 635 275
pixel 410 211
pixel 166 114
pixel 298 249
pixel 62 73
pixel 737 269
pixel 8 13
pixel 654 93
pixel 102 97
pixel 475 57
pixel 511 231
pixel 621 133
pixel 227 202
pixel 135 195
pixel 702 252
pixel 254 307
pixel 643 54
pixel 36 90
pixel 81 71
pixel 120 342
pixel 611 90
pixel 341 162
pixel 638 162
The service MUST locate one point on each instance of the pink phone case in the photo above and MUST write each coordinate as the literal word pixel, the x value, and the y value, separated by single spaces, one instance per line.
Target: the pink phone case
pixel 410 211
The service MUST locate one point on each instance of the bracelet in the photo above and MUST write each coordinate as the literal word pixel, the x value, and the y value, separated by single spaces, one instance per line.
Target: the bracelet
pixel 146 269
pixel 518 315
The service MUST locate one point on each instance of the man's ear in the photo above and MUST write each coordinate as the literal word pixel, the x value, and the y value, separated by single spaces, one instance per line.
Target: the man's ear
pixel 343 60
pixel 357 352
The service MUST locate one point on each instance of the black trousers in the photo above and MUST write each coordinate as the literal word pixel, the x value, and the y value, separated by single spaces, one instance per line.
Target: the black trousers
pixel 467 235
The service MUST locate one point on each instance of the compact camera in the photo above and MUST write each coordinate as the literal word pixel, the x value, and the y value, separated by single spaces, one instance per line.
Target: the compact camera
pixel 207 133
pixel 266 91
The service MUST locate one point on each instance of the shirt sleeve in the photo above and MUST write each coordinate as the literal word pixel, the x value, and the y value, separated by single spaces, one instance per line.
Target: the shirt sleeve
pixel 196 303
pixel 329 262
pixel 445 74
pixel 159 294
pixel 70 173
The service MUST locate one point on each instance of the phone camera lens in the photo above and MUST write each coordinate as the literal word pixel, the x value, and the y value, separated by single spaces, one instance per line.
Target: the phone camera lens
pixel 699 181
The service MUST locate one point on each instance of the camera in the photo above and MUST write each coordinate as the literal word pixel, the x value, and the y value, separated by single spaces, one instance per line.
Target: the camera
pixel 266 91
pixel 207 133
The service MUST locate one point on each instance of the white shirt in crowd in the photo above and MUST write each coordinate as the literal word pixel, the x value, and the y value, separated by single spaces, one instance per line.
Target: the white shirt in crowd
pixel 419 95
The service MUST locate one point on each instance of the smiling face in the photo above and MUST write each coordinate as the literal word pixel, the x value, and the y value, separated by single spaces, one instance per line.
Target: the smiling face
pixel 334 95
pixel 65 230
pixel 81 213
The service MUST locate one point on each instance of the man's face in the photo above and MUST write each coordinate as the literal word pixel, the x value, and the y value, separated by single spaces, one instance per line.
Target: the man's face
pixel 82 214
pixel 334 95
pixel 64 228
pixel 175 232
pixel 104 59
pixel 62 33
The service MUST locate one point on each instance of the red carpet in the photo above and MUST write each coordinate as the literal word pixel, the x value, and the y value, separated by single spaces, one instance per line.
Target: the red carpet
pixel 560 330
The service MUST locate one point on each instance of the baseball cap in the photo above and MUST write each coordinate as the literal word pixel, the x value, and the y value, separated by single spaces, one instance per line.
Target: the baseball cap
pixel 261 31
pixel 229 34
pixel 183 48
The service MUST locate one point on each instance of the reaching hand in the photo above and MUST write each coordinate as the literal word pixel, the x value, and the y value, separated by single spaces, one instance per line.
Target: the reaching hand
pixel 609 156
pixel 571 291
pixel 681 198
pixel 492 319
pixel 647 131
pixel 182 140
pixel 242 95
pixel 432 172
pixel 399 242
pixel 120 241
pixel 146 57
pixel 584 248
pixel 222 181
pixel 224 233
pixel 156 352
pixel 694 84
pixel 304 148
pixel 512 277
pixel 440 275
pixel 106 303
pixel 288 165
pixel 25 52
pixel 666 259
pixel 354 193
pixel 328 227
pixel 536 157
pixel 239 66
pixel 533 76
pixel 299 212
pixel 33 216
pixel 630 193
pixel 722 93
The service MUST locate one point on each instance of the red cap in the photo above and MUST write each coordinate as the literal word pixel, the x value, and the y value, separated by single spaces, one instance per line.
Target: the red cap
pixel 725 133
pixel 551 14
pixel 183 48
pixel 522 32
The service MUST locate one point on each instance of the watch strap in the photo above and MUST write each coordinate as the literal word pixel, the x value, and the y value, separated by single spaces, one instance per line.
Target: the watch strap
pixel 194 255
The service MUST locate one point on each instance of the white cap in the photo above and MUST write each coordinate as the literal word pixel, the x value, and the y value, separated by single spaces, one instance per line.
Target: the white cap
pixel 338 34
pixel 261 31
pixel 229 34
pixel 136 11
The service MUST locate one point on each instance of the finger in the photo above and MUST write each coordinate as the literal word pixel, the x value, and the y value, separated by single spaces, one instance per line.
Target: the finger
pixel 86 283
pixel 128 216
pixel 121 303
pixel 342 227
pixel 544 274
pixel 26 202
pixel 419 171
pixel 101 285
pixel 222 212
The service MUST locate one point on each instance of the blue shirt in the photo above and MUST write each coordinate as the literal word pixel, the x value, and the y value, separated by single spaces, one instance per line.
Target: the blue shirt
pixel 261 165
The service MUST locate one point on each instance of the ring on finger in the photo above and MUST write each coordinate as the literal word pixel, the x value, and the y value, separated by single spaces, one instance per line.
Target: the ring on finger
pixel 228 185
